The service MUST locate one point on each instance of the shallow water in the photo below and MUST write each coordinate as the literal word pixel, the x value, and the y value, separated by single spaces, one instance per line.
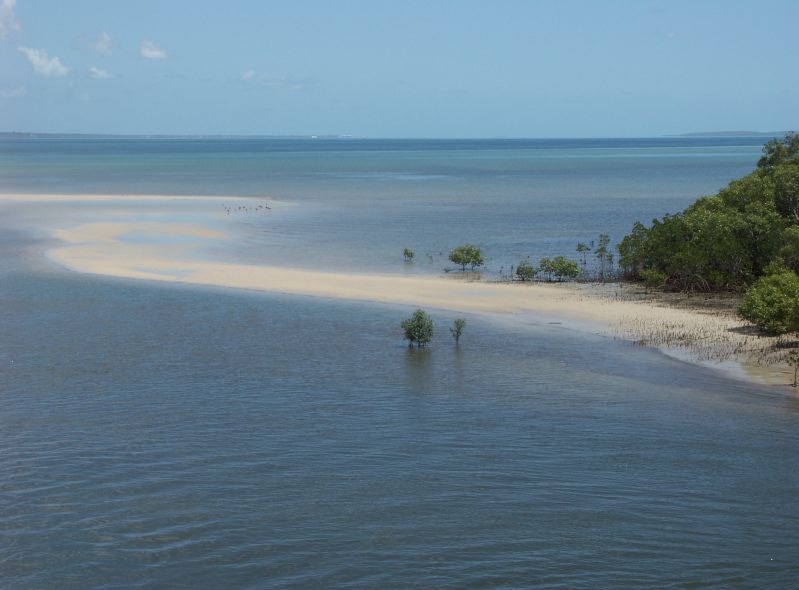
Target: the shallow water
pixel 165 436
pixel 363 201
pixel 169 437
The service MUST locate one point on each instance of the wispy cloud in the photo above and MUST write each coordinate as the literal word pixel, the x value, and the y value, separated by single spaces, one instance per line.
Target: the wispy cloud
pixel 44 65
pixel 284 82
pixel 150 50
pixel 16 92
pixel 104 44
pixel 8 20
pixel 99 74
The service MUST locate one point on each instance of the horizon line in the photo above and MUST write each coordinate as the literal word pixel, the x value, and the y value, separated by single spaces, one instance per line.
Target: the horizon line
pixel 327 136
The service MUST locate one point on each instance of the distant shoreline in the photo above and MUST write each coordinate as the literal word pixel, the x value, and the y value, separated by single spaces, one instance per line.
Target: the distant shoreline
pixel 344 136
pixel 731 134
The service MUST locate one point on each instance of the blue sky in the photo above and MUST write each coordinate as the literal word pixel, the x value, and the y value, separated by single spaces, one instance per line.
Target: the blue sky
pixel 434 68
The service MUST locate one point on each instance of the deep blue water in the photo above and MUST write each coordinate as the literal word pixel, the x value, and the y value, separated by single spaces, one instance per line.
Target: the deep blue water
pixel 154 436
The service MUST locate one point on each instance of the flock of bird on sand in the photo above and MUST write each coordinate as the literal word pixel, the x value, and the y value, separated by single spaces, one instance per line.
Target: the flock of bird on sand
pixel 244 208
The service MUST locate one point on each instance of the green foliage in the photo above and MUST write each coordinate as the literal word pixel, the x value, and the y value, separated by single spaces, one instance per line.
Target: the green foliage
pixel 725 241
pixel 789 250
pixel 583 250
pixel 743 193
pixel 604 255
pixel 565 268
pixel 407 254
pixel 775 267
pixel 653 278
pixel 786 191
pixel 634 250
pixel 457 329
pixel 546 267
pixel 525 271
pixel 779 151
pixel 467 255
pixel 559 267
pixel 773 303
pixel 418 329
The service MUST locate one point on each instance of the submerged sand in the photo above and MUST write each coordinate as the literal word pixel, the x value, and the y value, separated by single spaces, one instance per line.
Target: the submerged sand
pixel 132 245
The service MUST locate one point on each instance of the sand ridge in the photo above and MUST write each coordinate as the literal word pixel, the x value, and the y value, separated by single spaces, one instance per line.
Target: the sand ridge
pixel 105 247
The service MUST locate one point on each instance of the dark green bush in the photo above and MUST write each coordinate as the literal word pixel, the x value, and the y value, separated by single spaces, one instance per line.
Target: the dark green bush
pixel 773 303
pixel 418 329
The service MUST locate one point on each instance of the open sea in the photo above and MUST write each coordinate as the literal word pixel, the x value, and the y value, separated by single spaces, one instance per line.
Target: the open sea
pixel 160 436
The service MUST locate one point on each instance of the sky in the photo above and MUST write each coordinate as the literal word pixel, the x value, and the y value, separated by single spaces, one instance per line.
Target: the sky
pixel 389 68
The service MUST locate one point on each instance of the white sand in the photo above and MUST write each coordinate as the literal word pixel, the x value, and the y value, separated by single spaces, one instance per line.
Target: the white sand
pixel 105 248
pixel 76 199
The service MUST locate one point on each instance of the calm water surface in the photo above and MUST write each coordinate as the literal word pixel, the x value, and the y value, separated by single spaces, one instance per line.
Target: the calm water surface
pixel 169 437
pixel 362 201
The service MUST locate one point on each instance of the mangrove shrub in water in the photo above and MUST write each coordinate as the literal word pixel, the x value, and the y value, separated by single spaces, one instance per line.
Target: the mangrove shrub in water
pixel 457 329
pixel 467 255
pixel 418 329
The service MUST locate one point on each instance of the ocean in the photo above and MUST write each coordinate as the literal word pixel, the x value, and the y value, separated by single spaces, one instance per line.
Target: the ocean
pixel 163 436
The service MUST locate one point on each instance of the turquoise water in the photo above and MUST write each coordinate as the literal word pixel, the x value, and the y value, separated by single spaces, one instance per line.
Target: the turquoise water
pixel 363 201
pixel 157 436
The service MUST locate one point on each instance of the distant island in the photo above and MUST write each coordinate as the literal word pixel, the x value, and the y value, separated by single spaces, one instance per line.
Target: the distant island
pixel 731 134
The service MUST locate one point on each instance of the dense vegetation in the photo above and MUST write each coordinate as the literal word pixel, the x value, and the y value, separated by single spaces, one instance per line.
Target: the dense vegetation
pixel 744 237
pixel 418 329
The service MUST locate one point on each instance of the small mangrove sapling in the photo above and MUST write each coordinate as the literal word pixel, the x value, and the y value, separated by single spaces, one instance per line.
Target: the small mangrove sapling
pixel 457 329
pixel 793 360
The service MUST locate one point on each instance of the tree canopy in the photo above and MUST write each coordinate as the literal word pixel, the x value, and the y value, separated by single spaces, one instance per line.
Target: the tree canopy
pixel 773 303
pixel 467 255
pixel 418 329
pixel 559 268
pixel 525 271
pixel 745 238
pixel 724 241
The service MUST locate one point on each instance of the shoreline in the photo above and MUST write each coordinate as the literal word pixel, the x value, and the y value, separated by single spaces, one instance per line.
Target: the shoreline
pixel 124 245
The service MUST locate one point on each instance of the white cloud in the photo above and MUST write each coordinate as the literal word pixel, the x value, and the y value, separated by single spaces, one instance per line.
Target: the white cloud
pixel 16 92
pixel 8 20
pixel 248 75
pixel 99 74
pixel 104 45
pixel 42 64
pixel 150 50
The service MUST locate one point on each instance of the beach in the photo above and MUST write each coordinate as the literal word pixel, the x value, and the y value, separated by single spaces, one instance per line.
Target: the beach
pixel 166 239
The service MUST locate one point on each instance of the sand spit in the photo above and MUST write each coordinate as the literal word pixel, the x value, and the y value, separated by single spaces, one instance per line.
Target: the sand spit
pixel 133 199
pixel 124 245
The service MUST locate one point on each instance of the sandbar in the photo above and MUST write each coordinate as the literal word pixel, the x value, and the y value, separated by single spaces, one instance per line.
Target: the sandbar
pixel 169 251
